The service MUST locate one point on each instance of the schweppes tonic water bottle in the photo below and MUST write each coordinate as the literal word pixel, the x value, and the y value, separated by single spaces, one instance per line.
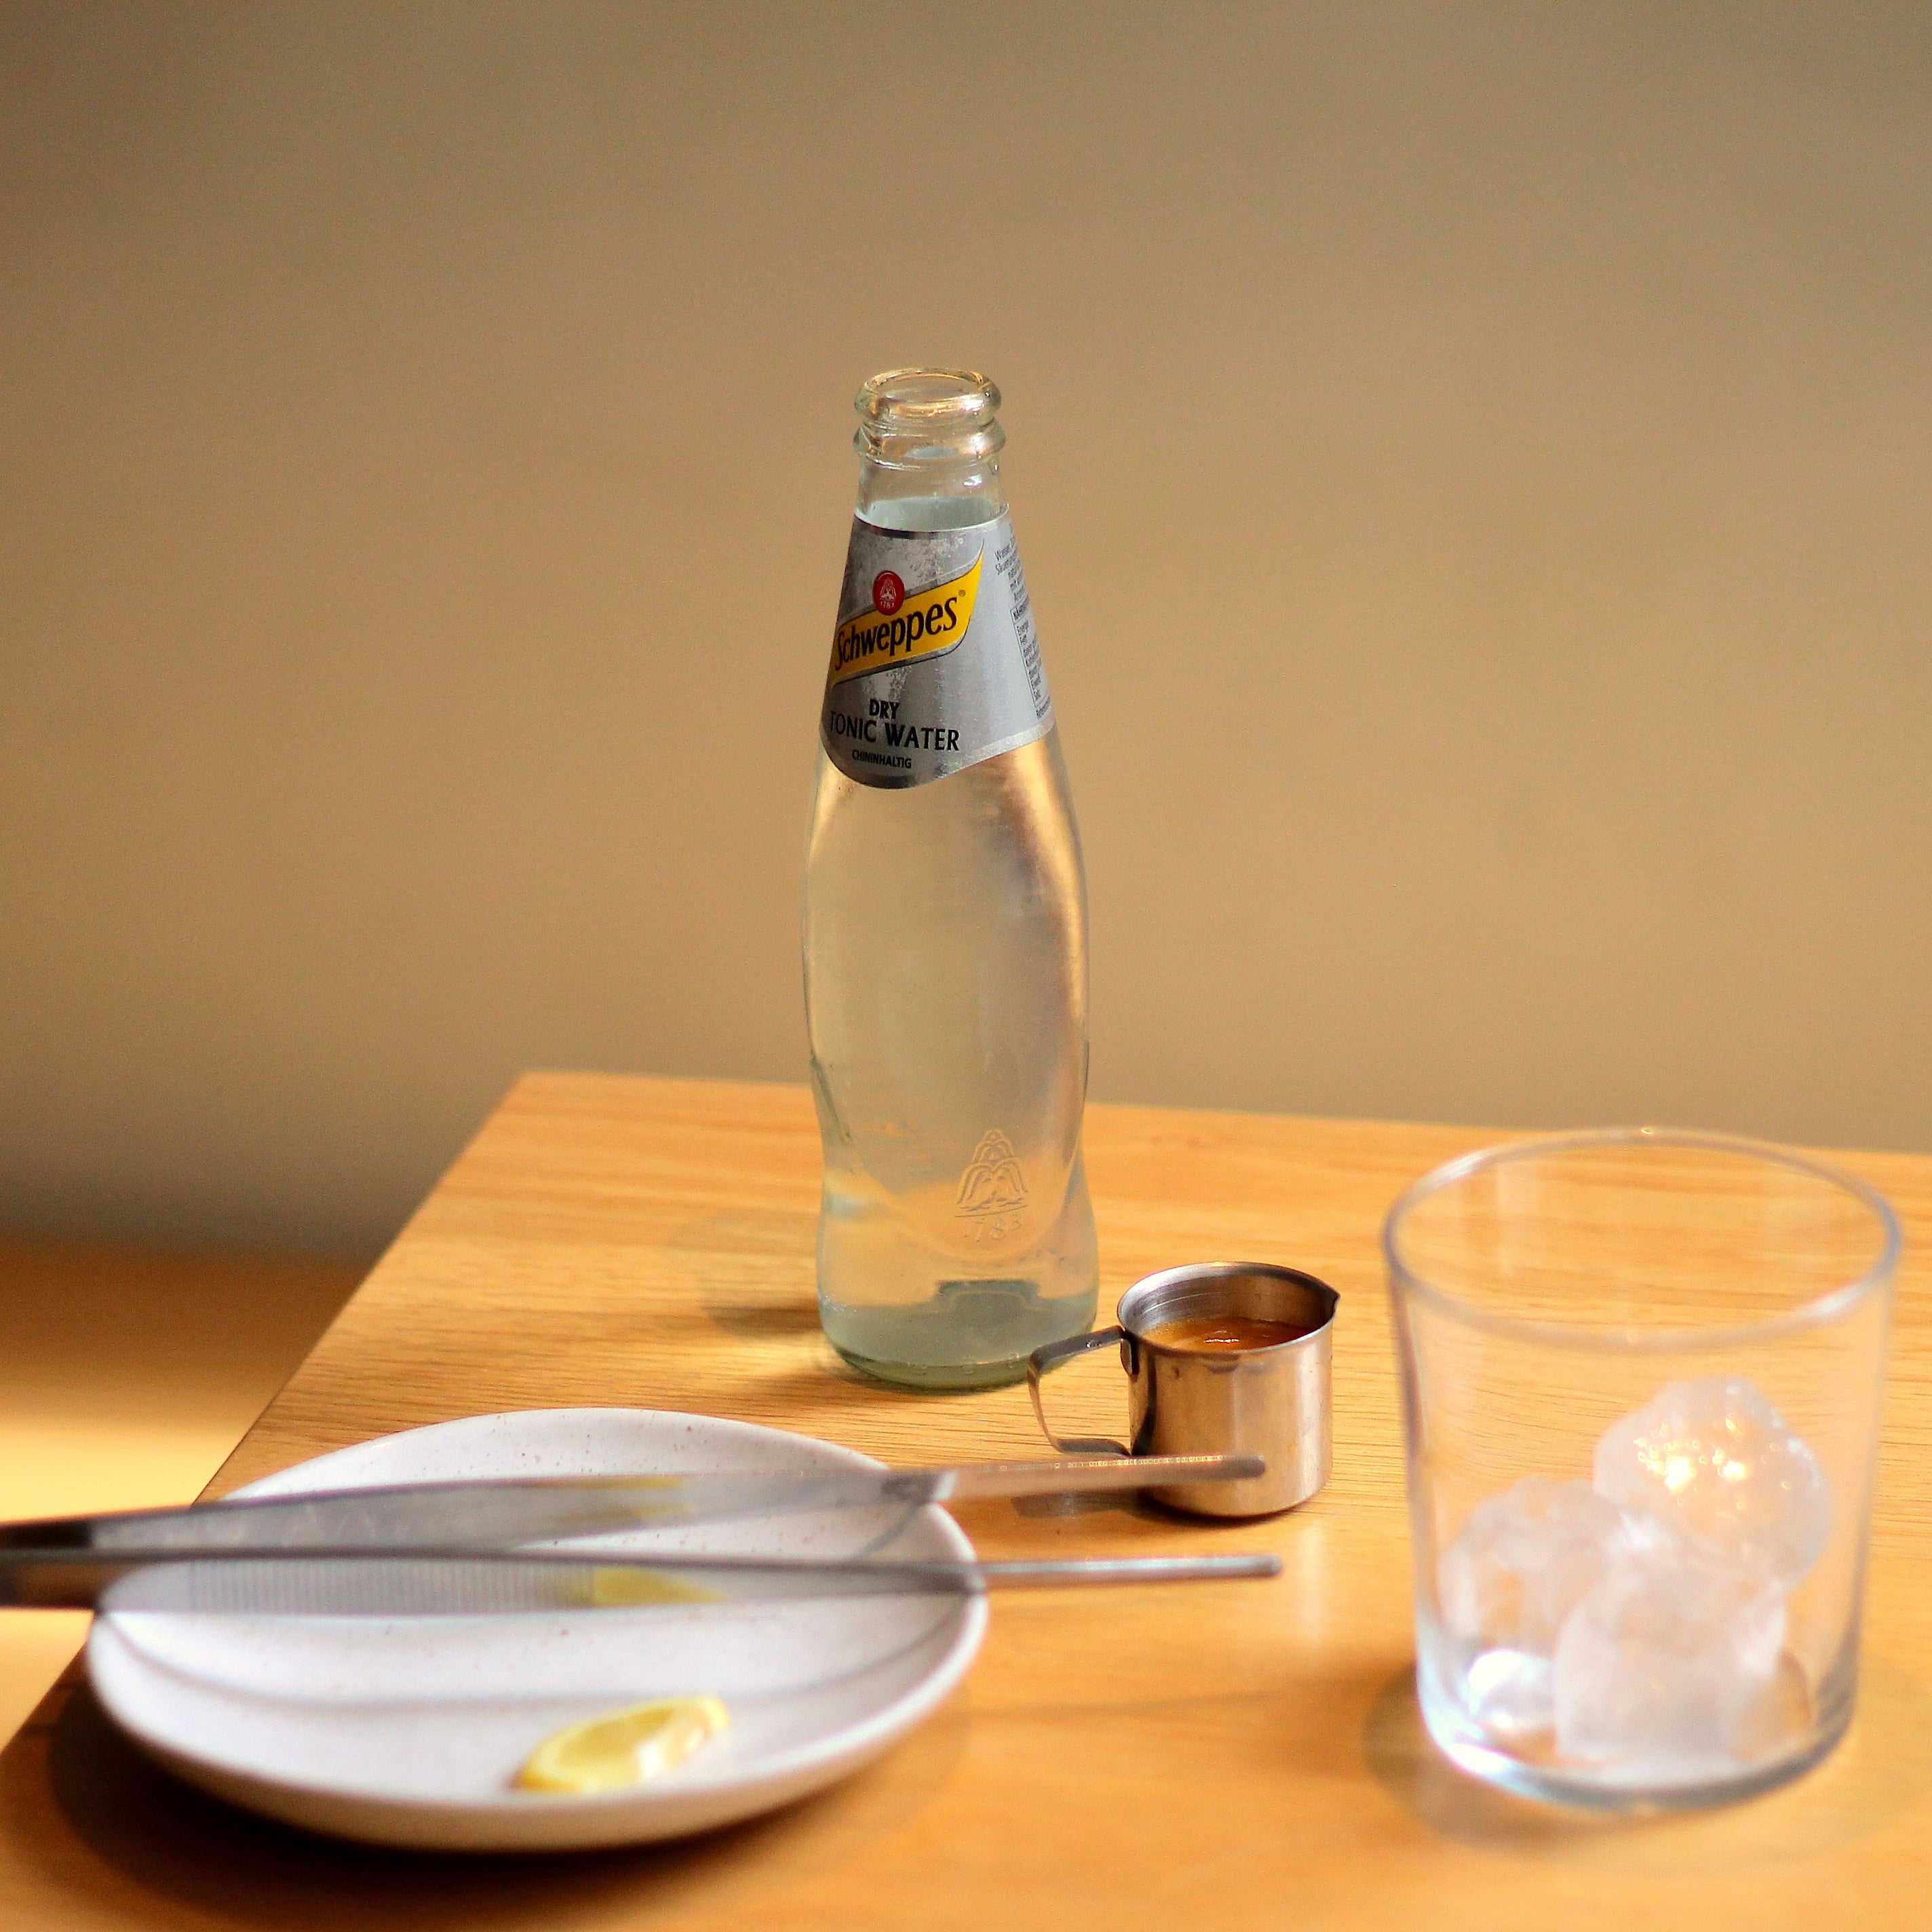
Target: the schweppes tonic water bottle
pixel 945 922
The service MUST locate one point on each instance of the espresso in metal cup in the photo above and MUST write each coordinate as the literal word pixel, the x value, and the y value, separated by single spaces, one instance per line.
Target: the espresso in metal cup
pixel 1221 1358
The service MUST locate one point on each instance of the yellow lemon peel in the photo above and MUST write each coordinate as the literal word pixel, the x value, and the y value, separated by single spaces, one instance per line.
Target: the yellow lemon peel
pixel 612 1752
pixel 613 1589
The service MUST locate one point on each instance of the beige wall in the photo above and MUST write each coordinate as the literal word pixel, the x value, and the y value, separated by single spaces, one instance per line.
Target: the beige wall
pixel 1472 463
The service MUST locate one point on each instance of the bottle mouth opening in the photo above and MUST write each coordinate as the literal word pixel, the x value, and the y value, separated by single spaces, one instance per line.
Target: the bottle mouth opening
pixel 928 402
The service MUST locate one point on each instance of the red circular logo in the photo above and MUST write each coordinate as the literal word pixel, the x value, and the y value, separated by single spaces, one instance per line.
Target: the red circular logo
pixel 888 592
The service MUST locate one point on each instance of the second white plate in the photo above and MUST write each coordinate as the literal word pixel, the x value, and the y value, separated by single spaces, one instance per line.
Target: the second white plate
pixel 409 1732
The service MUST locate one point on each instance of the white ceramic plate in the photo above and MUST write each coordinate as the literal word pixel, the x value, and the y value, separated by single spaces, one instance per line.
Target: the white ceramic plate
pixel 408 1732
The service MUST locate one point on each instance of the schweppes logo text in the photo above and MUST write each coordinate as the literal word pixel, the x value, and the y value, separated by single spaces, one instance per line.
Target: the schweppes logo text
pixel 924 624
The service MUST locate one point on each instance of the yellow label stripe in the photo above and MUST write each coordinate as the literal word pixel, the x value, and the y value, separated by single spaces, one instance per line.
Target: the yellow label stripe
pixel 928 623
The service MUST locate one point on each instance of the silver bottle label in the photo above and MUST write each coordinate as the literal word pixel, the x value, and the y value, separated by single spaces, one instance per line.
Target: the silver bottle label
pixel 935 665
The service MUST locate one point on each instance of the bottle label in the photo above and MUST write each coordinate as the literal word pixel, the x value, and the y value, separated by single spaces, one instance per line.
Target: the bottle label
pixel 935 665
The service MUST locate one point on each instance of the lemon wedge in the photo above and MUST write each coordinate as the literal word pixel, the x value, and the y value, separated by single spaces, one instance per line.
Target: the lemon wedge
pixel 625 1748
pixel 612 1588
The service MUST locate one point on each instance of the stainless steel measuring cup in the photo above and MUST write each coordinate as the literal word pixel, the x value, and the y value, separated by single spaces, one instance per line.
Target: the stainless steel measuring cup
pixel 1270 1402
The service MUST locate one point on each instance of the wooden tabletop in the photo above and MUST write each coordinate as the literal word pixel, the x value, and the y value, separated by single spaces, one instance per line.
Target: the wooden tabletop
pixel 1238 1755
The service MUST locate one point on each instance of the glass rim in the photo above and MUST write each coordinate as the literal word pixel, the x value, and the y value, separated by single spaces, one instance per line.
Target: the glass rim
pixel 1820 1309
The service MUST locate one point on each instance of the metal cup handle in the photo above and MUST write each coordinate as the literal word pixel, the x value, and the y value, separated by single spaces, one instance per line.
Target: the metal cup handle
pixel 1051 1357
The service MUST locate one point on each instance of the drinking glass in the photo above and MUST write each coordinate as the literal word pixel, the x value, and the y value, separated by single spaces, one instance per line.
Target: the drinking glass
pixel 1641 1376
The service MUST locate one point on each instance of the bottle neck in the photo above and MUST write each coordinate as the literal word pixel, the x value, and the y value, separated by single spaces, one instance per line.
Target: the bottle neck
pixel 929 447
pixel 895 499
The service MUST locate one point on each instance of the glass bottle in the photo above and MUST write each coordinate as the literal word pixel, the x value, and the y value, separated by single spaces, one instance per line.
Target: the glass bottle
pixel 945 923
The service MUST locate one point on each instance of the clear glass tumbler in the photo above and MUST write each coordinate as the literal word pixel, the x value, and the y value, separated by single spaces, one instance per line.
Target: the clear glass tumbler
pixel 1641 1375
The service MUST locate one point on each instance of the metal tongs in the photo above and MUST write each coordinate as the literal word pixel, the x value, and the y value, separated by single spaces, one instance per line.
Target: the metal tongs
pixel 463 1549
